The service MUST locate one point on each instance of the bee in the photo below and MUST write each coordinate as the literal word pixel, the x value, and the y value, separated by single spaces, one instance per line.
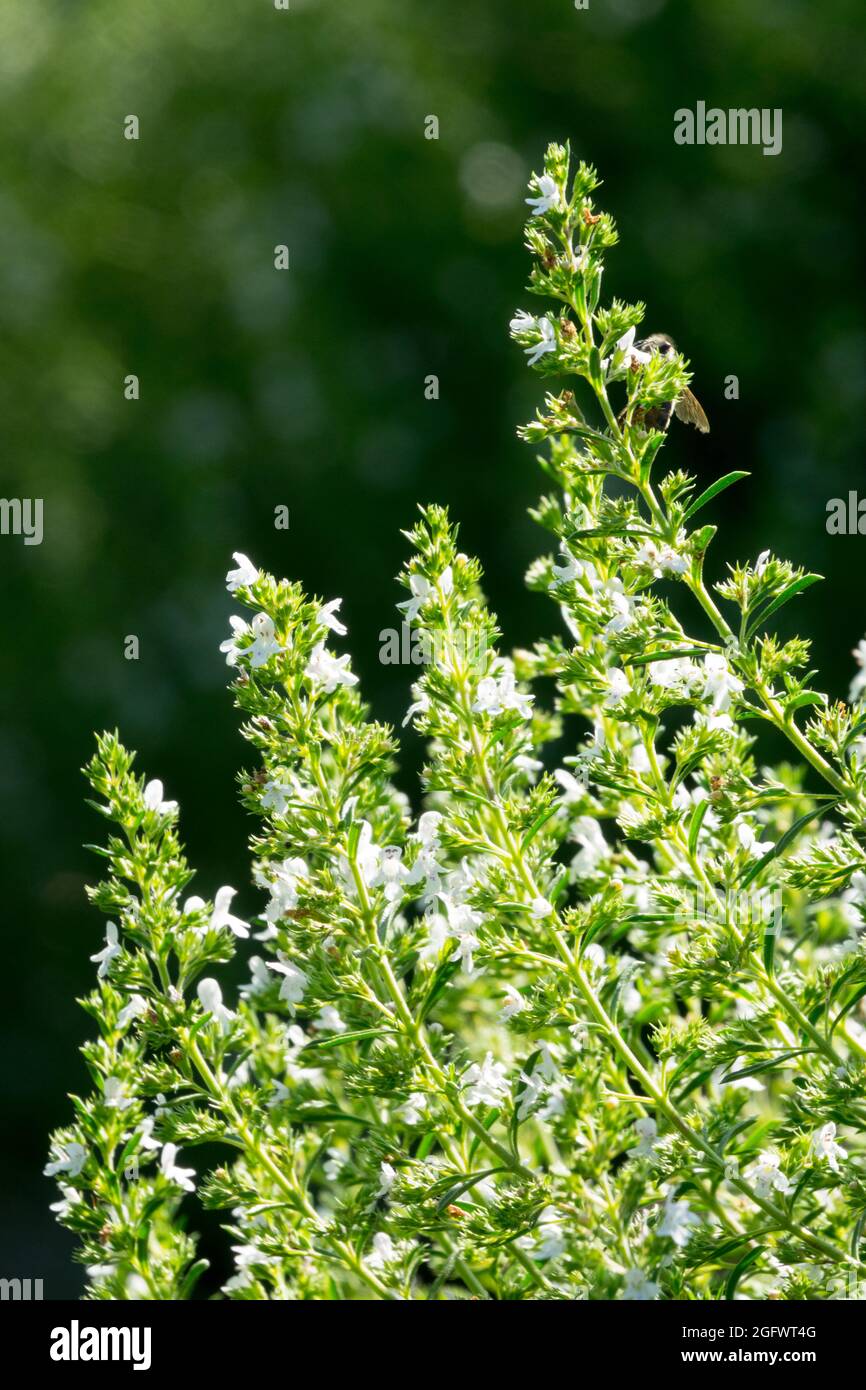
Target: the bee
pixel 687 406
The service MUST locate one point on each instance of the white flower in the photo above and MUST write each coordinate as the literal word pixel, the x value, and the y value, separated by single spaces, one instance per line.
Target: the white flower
pixel 521 323
pixel 245 574
pixel 413 1110
pixel 463 923
pixel 334 1164
pixel 486 1083
pixel 530 766
pixel 71 1159
pixel 260 978
pixel 422 589
pixel 211 998
pixel 145 1129
pixel 749 840
pixel 545 1074
pixel 245 1257
pixel 426 864
pixel 153 799
pixel 384 1250
pixel 824 1145
pixel 569 569
pixel 284 891
pixel 428 827
pixel 540 907
pixel 325 617
pixel 114 1094
pixel 647 1131
pixel 638 1288
pixel 222 917
pixel 182 1176
pixel 420 705
pixel 68 1200
pixel 766 1175
pixel 111 949
pixel 328 1021
pixel 660 559
pixel 135 1008
pixel 625 353
pixel 387 1179
pixel 677 1221
pixel 546 343
pixel 275 796
pixel 265 644
pixel 328 671
pixel 495 695
pixel 594 847
pixel 437 935
pixel 391 873
pixel 231 645
pixel 549 195
pixel 572 789
pixel 550 1241
pixel 617 686
pixel 514 1003
pixel 294 982
pixel 677 674
pixel 761 562
pixel 720 683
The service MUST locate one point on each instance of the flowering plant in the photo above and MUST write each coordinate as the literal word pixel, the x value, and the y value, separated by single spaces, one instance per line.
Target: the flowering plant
pixel 468 1060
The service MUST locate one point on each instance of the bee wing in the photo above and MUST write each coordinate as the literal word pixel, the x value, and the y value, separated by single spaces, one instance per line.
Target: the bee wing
pixel 689 409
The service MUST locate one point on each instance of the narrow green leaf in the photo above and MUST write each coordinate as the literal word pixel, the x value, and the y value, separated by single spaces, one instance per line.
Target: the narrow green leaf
pixel 739 1270
pixel 846 1008
pixel 459 1188
pixel 695 823
pixel 713 491
pixel 538 824
pixel 768 945
pixel 193 1275
pixel 752 870
pixel 766 1064
pixel 338 1039
pixel 797 586
pixel 805 697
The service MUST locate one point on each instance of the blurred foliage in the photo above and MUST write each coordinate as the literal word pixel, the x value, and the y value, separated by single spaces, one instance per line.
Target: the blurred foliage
pixel 155 257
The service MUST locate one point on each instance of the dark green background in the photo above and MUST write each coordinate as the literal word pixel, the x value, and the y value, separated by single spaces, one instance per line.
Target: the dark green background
pixel 306 388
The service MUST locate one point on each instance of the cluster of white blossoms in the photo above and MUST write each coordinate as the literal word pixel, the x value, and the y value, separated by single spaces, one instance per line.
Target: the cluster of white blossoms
pixel 324 670
pixel 662 559
pixel 537 334
pixel 589 1023
pixel 712 682
pixel 497 693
